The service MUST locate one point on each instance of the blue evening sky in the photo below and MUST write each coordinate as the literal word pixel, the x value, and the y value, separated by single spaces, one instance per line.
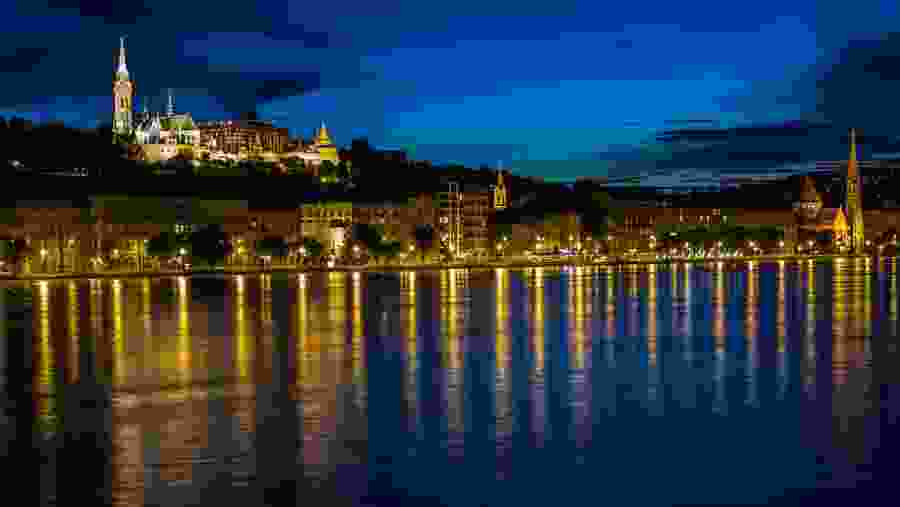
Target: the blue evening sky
pixel 558 89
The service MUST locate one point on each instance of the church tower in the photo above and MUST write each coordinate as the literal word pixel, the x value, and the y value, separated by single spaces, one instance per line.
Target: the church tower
pixel 500 196
pixel 325 147
pixel 123 90
pixel 854 200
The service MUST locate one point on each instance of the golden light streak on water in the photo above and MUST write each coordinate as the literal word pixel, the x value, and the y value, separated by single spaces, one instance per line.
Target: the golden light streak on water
pixel 453 346
pixel 502 391
pixel 184 337
pixel 780 309
pixel 751 329
pixel 867 301
pixel 454 373
pixel 892 289
pixel 119 358
pixel 688 296
pixel 810 338
pixel 719 308
pixel 537 376
pixel 46 364
pixel 242 341
pixel 95 309
pixel 501 317
pixel 580 318
pixel 653 374
pixel 265 301
pixel 411 335
pixel 610 303
pixel 357 357
pixel 74 345
pixel 538 321
pixel 337 298
pixel 651 315
pixel 781 332
pixel 839 361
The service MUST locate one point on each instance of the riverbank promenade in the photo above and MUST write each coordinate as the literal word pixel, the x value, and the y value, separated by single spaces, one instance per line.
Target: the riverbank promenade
pixel 511 263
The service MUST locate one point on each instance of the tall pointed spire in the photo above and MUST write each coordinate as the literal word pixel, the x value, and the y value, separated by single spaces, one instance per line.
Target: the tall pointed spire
pixel 322 137
pixel 170 108
pixel 500 195
pixel 854 199
pixel 122 69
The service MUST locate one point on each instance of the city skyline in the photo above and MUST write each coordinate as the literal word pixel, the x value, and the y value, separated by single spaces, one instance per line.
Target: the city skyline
pixel 461 92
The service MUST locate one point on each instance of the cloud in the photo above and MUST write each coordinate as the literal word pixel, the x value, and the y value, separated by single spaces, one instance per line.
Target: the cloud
pixel 858 86
pixel 192 46
pixel 21 59
pixel 110 11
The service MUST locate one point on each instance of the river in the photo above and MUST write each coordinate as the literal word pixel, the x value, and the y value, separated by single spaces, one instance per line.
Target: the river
pixel 637 385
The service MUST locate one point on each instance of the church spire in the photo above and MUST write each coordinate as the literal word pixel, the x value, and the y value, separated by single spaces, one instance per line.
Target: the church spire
pixel 500 195
pixel 323 138
pixel 170 108
pixel 122 69
pixel 854 199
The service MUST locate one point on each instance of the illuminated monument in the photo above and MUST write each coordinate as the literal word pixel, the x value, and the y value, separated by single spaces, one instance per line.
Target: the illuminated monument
pixel 123 91
pixel 500 197
pixel 854 200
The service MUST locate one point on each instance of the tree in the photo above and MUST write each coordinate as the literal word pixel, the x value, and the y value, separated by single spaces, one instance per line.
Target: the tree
pixel 163 245
pixel 367 234
pixel 424 236
pixel 211 244
pixel 313 247
pixel 272 246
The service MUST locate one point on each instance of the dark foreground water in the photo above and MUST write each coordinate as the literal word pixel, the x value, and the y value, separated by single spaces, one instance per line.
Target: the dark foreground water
pixel 758 383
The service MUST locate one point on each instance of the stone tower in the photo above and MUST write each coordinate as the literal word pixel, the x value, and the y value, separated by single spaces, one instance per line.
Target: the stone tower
pixel 123 91
pixel 500 196
pixel 854 200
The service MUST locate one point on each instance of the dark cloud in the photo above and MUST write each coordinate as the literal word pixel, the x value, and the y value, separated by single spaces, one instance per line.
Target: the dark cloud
pixel 858 85
pixel 788 129
pixel 22 59
pixel 110 11
pixel 690 122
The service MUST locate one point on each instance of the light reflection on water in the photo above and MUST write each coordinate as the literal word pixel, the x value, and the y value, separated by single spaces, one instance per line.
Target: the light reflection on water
pixel 523 370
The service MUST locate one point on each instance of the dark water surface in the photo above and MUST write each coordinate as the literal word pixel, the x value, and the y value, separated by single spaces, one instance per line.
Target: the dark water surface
pixel 639 386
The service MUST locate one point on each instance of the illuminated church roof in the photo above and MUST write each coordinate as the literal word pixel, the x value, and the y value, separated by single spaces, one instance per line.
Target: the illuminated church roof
pixel 808 192
pixel 322 137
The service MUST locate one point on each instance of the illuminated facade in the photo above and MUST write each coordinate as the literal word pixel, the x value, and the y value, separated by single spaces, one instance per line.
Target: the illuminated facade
pixel 854 200
pixel 248 139
pixel 166 136
pixel 500 193
pixel 322 149
pixel 123 92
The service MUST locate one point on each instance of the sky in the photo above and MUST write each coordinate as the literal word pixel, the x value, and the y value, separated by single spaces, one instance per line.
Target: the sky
pixel 559 89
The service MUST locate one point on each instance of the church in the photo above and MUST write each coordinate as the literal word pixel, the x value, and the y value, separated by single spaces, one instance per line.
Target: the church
pixel 162 136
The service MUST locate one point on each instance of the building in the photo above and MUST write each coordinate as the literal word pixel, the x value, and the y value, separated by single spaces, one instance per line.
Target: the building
pixel 165 136
pixel 500 194
pixel 123 93
pixel 854 200
pixel 463 213
pixel 328 223
pixel 321 149
pixel 246 139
